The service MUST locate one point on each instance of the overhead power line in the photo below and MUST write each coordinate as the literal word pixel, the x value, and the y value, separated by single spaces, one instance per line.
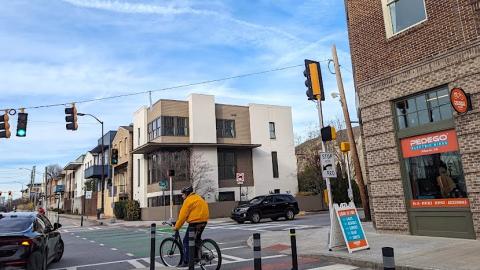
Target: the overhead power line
pixel 158 90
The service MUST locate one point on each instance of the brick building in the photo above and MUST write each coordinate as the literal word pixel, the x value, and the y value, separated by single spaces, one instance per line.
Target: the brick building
pixel 422 156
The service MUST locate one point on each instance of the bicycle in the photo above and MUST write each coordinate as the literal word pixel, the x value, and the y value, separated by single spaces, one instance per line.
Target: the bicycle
pixel 171 251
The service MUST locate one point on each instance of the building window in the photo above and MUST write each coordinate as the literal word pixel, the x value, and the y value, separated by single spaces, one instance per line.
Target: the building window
pixel 271 126
pixel 225 128
pixel 138 136
pixel 138 172
pixel 160 162
pixel 429 107
pixel 275 164
pixel 126 146
pixel 168 126
pixel 164 200
pixel 403 14
pixel 226 165
pixel 226 196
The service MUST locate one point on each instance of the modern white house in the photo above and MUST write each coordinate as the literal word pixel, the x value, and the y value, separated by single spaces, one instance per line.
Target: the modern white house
pixel 208 144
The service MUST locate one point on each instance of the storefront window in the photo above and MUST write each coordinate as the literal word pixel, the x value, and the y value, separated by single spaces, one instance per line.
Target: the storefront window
pixel 434 166
pixel 437 176
pixel 425 108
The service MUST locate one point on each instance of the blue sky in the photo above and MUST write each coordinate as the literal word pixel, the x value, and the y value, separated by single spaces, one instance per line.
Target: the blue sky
pixel 58 51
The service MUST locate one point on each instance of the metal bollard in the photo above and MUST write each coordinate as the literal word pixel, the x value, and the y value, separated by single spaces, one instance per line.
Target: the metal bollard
pixel 153 229
pixel 388 258
pixel 293 241
pixel 191 247
pixel 81 222
pixel 257 253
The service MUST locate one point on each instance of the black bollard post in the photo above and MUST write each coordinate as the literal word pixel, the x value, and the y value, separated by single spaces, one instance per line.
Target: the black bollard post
pixel 257 252
pixel 153 228
pixel 191 247
pixel 293 241
pixel 81 222
pixel 388 258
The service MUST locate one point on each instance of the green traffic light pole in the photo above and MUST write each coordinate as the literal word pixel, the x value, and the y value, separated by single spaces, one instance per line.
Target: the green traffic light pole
pixel 103 160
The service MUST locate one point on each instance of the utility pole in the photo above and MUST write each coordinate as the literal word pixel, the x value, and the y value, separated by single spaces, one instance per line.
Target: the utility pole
pixel 351 138
pixel 46 188
pixel 32 180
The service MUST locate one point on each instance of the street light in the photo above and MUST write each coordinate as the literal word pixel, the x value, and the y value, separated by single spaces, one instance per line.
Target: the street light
pixel 103 159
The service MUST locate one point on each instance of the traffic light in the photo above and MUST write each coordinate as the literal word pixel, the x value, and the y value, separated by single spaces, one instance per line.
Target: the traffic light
pixel 4 126
pixel 313 82
pixel 328 133
pixel 114 157
pixel 71 118
pixel 22 124
pixel 344 147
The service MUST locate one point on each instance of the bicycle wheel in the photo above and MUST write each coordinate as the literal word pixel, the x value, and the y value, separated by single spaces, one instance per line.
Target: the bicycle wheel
pixel 211 254
pixel 171 252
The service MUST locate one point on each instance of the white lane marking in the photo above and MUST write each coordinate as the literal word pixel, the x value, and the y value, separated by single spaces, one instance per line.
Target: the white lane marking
pixel 148 261
pixel 84 238
pixel 336 267
pixel 91 241
pixel 91 229
pixel 102 245
pixel 122 261
pixel 129 254
pixel 77 236
pixel 251 259
pixel 228 248
pixel 136 264
pixel 233 258
pixel 114 249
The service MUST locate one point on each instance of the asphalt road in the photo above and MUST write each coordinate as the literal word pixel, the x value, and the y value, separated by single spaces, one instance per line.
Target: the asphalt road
pixel 120 247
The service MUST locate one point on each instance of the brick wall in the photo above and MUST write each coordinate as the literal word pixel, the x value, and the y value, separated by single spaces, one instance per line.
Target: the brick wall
pixel 444 50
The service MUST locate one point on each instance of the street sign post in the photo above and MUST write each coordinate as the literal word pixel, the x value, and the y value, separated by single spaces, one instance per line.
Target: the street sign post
pixel 240 180
pixel 88 195
pixel 163 184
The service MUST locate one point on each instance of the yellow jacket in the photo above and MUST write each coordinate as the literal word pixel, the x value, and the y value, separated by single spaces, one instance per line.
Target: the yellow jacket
pixel 194 210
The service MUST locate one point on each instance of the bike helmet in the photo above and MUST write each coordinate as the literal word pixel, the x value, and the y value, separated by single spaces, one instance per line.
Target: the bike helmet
pixel 187 190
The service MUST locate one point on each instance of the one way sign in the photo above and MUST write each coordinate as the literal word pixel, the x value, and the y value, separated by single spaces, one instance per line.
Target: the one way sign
pixel 328 165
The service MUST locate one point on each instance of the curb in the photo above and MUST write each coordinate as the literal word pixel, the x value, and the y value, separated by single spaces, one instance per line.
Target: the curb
pixel 345 259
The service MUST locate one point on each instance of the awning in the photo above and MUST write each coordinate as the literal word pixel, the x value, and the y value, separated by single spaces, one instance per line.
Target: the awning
pixel 72 166
pixel 98 149
pixel 153 146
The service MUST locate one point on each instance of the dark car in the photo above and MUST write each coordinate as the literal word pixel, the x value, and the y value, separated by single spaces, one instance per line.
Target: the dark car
pixel 28 241
pixel 272 206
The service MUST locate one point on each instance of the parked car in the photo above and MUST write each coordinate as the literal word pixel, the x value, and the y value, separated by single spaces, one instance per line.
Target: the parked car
pixel 272 206
pixel 28 241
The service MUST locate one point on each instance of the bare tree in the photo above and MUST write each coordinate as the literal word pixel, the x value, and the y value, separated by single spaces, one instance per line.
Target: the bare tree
pixel 54 171
pixel 188 166
pixel 200 175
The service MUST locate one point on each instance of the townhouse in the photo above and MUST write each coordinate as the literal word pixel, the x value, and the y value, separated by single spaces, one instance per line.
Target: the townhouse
pixel 207 144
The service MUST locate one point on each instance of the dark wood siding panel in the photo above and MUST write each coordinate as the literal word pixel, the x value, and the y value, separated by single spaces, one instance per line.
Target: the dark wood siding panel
pixel 244 164
pixel 241 116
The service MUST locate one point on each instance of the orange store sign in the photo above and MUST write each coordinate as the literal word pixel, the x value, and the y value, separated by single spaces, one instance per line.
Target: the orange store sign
pixel 432 143
pixel 440 203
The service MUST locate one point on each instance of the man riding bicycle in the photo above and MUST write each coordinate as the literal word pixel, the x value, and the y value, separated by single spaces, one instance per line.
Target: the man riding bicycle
pixel 195 212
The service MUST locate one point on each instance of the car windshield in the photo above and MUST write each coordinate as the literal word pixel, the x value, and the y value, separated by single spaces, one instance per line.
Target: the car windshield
pixel 14 224
pixel 256 200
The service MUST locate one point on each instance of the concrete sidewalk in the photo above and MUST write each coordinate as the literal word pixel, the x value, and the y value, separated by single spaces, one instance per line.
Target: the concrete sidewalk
pixel 411 252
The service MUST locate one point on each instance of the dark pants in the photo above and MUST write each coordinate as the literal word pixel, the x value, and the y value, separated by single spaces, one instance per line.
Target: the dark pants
pixel 199 227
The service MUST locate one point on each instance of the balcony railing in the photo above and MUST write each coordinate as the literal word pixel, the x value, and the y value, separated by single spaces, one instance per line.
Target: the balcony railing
pixel 95 171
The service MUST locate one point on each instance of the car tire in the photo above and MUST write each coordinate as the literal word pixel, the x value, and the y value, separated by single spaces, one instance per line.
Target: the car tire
pixel 290 215
pixel 255 218
pixel 59 249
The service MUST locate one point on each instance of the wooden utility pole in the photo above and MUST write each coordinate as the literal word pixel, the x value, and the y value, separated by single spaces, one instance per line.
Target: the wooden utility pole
pixel 351 138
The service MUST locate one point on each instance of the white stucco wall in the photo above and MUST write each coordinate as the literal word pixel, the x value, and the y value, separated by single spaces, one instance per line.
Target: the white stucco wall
pixel 260 116
pixel 140 138
pixel 202 120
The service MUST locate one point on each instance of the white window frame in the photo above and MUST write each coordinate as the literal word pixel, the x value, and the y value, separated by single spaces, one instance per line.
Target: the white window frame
pixel 388 19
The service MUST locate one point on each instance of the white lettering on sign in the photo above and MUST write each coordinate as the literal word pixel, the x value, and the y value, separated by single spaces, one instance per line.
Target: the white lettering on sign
pixel 327 161
pixel 425 140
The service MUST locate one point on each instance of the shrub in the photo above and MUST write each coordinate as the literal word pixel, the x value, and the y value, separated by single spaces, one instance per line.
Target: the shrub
pixel 133 211
pixel 120 209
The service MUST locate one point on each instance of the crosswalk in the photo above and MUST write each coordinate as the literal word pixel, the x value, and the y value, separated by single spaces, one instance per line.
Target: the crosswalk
pixel 260 227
